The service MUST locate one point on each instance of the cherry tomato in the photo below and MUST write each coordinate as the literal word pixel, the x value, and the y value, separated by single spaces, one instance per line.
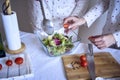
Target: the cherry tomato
pixel 83 58
pixel 0 66
pixel 9 62
pixel 84 63
pixel 19 60
pixel 66 25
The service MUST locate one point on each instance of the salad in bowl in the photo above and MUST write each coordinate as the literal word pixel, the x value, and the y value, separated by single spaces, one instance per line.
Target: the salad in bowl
pixel 57 44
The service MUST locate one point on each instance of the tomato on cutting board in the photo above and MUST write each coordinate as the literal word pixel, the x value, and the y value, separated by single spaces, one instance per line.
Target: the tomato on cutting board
pixel 83 61
pixel 83 58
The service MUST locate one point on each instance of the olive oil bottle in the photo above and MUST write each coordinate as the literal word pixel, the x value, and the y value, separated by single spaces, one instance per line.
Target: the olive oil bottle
pixel 2 52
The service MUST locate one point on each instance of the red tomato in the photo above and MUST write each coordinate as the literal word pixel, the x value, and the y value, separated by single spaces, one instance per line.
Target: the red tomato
pixel 84 63
pixel 66 25
pixel 0 66
pixel 83 58
pixel 9 62
pixel 19 60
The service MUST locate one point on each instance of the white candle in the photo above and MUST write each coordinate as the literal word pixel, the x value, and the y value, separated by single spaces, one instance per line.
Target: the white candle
pixel 11 28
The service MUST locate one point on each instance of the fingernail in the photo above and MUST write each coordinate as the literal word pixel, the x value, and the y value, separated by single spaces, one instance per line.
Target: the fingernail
pixel 70 27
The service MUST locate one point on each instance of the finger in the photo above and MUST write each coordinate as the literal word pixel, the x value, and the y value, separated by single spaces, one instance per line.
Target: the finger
pixel 70 27
pixel 101 46
pixel 98 39
pixel 92 38
pixel 66 20
pixel 99 42
pixel 69 19
pixel 73 26
pixel 96 42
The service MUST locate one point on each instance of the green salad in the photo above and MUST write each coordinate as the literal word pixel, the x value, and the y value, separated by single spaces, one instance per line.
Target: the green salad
pixel 58 44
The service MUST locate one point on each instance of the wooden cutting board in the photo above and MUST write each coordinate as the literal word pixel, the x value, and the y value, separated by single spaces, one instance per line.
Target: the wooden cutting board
pixel 105 66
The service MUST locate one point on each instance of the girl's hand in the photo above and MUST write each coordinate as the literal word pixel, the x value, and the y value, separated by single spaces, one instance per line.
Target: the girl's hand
pixel 102 41
pixel 74 22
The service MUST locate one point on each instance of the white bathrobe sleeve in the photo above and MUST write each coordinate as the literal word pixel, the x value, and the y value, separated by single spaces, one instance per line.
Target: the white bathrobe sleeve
pixel 96 11
pixel 117 38
pixel 116 34
pixel 35 13
pixel 80 7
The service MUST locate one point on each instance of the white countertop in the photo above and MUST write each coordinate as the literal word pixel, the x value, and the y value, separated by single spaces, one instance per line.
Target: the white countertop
pixel 51 68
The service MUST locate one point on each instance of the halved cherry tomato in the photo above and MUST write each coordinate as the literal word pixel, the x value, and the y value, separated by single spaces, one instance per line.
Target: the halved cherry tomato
pixel 83 58
pixel 84 63
pixel 66 25
pixel 9 62
pixel 19 60
pixel 0 66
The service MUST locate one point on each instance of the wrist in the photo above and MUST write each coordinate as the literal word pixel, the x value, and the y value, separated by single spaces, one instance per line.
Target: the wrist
pixel 84 21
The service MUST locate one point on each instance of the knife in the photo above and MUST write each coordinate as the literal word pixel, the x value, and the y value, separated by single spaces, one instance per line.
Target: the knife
pixel 90 60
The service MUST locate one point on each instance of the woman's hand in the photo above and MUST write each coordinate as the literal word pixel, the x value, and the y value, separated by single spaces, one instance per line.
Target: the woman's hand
pixel 74 22
pixel 102 41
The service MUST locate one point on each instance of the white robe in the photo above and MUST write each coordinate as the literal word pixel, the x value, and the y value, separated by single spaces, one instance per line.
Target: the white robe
pixel 57 10
pixel 112 24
